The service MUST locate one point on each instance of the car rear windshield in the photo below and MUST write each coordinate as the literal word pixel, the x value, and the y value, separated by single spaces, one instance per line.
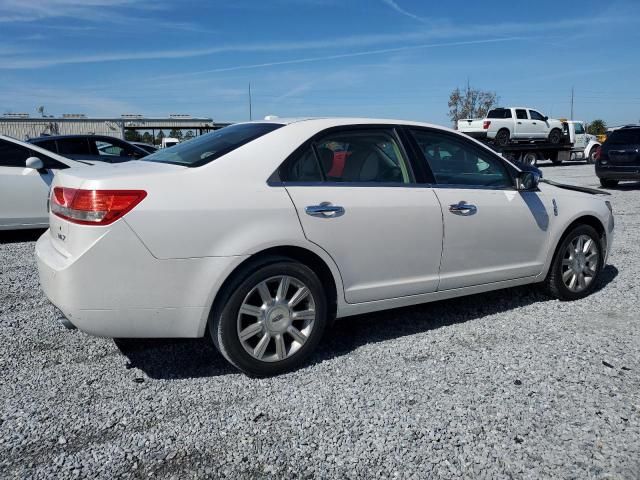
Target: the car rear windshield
pixel 625 136
pixel 499 113
pixel 208 147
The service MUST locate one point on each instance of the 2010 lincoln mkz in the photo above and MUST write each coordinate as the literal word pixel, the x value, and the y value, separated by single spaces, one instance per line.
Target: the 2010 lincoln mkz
pixel 261 234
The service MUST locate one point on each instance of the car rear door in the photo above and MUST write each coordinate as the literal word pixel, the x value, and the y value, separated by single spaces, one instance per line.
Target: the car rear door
pixel 23 191
pixel 492 232
pixel 357 198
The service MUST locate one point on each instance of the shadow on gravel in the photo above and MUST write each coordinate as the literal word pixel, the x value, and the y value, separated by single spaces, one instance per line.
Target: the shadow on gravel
pixel 194 358
pixel 174 358
pixel 19 236
pixel 624 186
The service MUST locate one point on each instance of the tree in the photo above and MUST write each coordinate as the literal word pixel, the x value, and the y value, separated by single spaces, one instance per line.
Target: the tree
pixel 176 133
pixel 132 136
pixel 189 135
pixel 147 138
pixel 470 103
pixel 159 137
pixel 597 127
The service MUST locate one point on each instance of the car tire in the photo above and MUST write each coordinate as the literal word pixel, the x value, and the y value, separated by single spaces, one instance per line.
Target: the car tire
pixel 282 341
pixel 608 182
pixel 502 137
pixel 530 158
pixel 555 136
pixel 563 280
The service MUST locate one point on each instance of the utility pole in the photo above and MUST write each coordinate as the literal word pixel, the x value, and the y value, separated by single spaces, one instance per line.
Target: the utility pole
pixel 250 113
pixel 571 117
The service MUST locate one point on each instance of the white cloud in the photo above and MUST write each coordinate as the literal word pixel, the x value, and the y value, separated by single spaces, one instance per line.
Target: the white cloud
pixel 441 31
pixel 402 11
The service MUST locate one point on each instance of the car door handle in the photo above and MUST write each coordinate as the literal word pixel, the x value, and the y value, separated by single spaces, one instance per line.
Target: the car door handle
pixel 463 208
pixel 325 209
pixel 534 123
pixel 519 123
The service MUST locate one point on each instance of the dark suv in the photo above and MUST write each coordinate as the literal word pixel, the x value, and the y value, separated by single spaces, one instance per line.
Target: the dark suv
pixel 90 147
pixel 619 156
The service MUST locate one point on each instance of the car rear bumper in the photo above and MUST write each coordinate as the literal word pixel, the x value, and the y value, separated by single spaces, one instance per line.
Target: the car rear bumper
pixel 617 172
pixel 477 134
pixel 116 288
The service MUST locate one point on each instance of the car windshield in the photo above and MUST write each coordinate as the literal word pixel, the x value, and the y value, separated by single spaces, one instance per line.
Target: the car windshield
pixel 625 136
pixel 208 147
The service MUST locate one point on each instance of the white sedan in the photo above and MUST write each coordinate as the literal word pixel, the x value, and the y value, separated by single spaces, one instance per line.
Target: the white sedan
pixel 26 173
pixel 260 234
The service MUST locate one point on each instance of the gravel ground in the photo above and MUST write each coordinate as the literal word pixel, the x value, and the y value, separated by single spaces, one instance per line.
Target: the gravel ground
pixel 503 385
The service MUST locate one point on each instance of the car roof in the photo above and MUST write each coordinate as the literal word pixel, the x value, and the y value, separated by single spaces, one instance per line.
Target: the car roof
pixel 77 135
pixel 48 153
pixel 344 121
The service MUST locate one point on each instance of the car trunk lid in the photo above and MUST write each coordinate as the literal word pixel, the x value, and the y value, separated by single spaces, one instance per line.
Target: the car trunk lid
pixel 71 238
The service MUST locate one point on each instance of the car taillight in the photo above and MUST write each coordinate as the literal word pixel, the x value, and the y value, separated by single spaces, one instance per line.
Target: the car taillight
pixel 596 155
pixel 486 124
pixel 93 207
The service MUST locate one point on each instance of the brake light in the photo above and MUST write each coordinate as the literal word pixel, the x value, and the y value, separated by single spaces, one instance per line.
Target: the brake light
pixel 486 124
pixel 596 155
pixel 93 207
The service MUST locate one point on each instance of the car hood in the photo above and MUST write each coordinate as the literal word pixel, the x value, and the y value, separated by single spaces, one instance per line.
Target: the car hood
pixel 575 188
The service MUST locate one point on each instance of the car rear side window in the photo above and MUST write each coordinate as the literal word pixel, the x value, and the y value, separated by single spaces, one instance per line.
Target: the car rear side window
pixel 521 114
pixel 350 157
pixel 73 146
pixel 206 148
pixel 47 145
pixel 499 113
pixel 13 155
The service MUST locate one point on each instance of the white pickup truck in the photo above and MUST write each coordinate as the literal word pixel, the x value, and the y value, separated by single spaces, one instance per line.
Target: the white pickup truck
pixel 506 125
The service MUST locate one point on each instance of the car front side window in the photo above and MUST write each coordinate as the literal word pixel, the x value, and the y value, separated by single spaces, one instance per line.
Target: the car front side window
pixel 454 161
pixel 536 115
pixel 521 114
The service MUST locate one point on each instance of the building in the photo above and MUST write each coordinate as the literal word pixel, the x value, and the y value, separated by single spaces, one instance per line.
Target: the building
pixel 23 127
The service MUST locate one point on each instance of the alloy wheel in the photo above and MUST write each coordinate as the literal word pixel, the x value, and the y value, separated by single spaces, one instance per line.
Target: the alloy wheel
pixel 276 318
pixel 580 263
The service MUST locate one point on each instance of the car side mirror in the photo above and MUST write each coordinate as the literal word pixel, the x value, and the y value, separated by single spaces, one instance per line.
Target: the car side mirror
pixel 527 181
pixel 546 118
pixel 35 163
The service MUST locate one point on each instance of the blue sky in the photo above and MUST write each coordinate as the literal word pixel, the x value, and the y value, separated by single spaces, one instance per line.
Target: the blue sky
pixel 381 58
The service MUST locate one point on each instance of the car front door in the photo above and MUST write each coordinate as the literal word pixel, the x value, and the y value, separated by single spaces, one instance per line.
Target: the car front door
pixel 492 232
pixel 523 127
pixel 23 191
pixel 356 197
pixel 580 137
pixel 539 126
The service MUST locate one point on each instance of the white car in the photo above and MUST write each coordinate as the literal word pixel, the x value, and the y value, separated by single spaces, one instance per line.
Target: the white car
pixel 504 125
pixel 260 234
pixel 26 172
